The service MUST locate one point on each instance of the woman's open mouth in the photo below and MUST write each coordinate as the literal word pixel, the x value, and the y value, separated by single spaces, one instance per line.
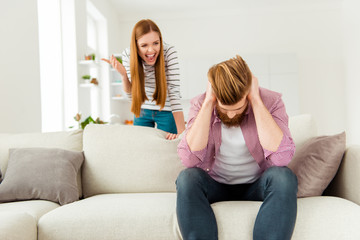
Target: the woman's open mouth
pixel 151 57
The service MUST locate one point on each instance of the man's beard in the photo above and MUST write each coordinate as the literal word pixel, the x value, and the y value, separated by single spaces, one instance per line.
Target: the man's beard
pixel 231 122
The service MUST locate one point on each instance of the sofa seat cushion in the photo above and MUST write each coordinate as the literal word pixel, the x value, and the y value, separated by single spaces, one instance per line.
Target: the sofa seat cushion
pixel 113 216
pixel 318 218
pixel 17 225
pixel 35 208
pixel 152 216
pixel 321 218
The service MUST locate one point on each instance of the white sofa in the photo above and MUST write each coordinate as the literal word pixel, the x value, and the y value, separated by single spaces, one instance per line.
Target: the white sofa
pixel 128 186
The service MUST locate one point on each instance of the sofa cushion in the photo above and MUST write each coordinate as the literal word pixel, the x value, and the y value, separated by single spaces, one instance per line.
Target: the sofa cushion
pixel 128 159
pixel 318 218
pixel 113 216
pixel 15 225
pixel 152 216
pixel 316 163
pixel 41 173
pixel 35 208
pixel 70 140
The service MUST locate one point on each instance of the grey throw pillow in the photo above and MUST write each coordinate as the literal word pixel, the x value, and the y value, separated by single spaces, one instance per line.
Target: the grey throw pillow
pixel 316 163
pixel 41 173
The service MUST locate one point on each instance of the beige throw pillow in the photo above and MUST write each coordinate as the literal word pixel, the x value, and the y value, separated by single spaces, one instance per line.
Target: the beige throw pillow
pixel 41 173
pixel 316 163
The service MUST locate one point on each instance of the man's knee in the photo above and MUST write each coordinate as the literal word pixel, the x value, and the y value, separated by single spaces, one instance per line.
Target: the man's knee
pixel 189 178
pixel 281 179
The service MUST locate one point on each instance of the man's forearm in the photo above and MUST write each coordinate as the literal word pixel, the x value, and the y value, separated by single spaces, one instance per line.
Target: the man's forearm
pixel 198 134
pixel 270 134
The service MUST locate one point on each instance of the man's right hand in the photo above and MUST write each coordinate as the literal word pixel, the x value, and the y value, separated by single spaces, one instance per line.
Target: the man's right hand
pixel 198 133
pixel 116 65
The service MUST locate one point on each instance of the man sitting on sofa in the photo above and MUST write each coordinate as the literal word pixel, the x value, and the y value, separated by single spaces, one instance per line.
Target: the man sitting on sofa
pixel 236 147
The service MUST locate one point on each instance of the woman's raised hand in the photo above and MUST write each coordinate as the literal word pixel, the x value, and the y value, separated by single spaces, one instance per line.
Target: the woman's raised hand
pixel 116 65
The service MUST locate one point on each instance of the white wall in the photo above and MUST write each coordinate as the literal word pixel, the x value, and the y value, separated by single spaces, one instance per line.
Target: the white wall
pixel 313 32
pixel 352 62
pixel 111 38
pixel 20 100
pixel 112 19
pixel 20 109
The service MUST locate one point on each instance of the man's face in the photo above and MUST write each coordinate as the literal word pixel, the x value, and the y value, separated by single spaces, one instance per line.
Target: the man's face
pixel 232 115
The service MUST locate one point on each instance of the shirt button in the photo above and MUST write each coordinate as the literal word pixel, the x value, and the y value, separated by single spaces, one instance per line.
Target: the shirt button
pixel 207 169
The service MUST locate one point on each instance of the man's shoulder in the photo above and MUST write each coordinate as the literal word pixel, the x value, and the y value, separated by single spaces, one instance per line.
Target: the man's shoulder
pixel 269 97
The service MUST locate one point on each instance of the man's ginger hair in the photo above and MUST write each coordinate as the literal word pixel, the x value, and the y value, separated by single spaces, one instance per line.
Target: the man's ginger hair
pixel 230 80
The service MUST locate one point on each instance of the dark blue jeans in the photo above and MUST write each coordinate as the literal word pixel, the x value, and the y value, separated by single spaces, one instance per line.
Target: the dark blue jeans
pixel 196 190
pixel 164 120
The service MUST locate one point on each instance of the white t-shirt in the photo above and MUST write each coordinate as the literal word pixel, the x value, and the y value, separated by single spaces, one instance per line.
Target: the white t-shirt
pixel 234 164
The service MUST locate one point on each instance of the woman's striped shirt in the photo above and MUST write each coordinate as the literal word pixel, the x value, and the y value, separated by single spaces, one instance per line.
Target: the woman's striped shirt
pixel 172 77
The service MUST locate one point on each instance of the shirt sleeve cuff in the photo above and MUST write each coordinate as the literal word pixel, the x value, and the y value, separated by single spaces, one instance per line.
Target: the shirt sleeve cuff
pixel 286 144
pixel 187 156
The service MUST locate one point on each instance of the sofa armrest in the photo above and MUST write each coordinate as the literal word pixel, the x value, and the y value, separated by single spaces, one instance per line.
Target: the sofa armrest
pixel 346 183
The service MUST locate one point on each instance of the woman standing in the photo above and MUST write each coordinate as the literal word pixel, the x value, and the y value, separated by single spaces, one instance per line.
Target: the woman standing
pixel 150 72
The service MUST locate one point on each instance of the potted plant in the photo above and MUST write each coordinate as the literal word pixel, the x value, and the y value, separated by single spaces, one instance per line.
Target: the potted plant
pixel 86 78
pixel 88 120
pixel 90 57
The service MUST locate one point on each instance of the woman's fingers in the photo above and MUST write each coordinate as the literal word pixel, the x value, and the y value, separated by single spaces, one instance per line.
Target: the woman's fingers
pixel 171 136
pixel 115 64
pixel 168 136
pixel 110 60
pixel 106 60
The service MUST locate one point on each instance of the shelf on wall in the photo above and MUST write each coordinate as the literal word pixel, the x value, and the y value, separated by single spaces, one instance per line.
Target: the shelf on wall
pixel 117 98
pixel 91 63
pixel 87 85
pixel 116 83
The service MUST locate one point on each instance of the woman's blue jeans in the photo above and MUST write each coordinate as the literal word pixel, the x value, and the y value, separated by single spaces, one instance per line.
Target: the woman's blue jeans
pixel 164 120
pixel 277 188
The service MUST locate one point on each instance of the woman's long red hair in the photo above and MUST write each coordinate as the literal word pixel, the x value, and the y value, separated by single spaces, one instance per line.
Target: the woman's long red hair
pixel 137 72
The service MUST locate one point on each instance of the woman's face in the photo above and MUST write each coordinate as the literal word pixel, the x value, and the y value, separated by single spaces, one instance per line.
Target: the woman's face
pixel 149 47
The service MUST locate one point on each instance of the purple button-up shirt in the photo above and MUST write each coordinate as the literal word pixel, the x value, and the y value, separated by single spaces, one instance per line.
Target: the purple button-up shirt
pixel 205 158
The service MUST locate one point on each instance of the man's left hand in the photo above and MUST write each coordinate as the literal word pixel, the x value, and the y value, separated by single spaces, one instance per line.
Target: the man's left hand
pixel 254 89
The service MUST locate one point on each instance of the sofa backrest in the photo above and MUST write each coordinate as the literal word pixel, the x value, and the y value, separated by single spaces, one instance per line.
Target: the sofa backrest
pixel 125 158
pixel 129 159
pixel 302 128
pixel 70 140
pixel 132 159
